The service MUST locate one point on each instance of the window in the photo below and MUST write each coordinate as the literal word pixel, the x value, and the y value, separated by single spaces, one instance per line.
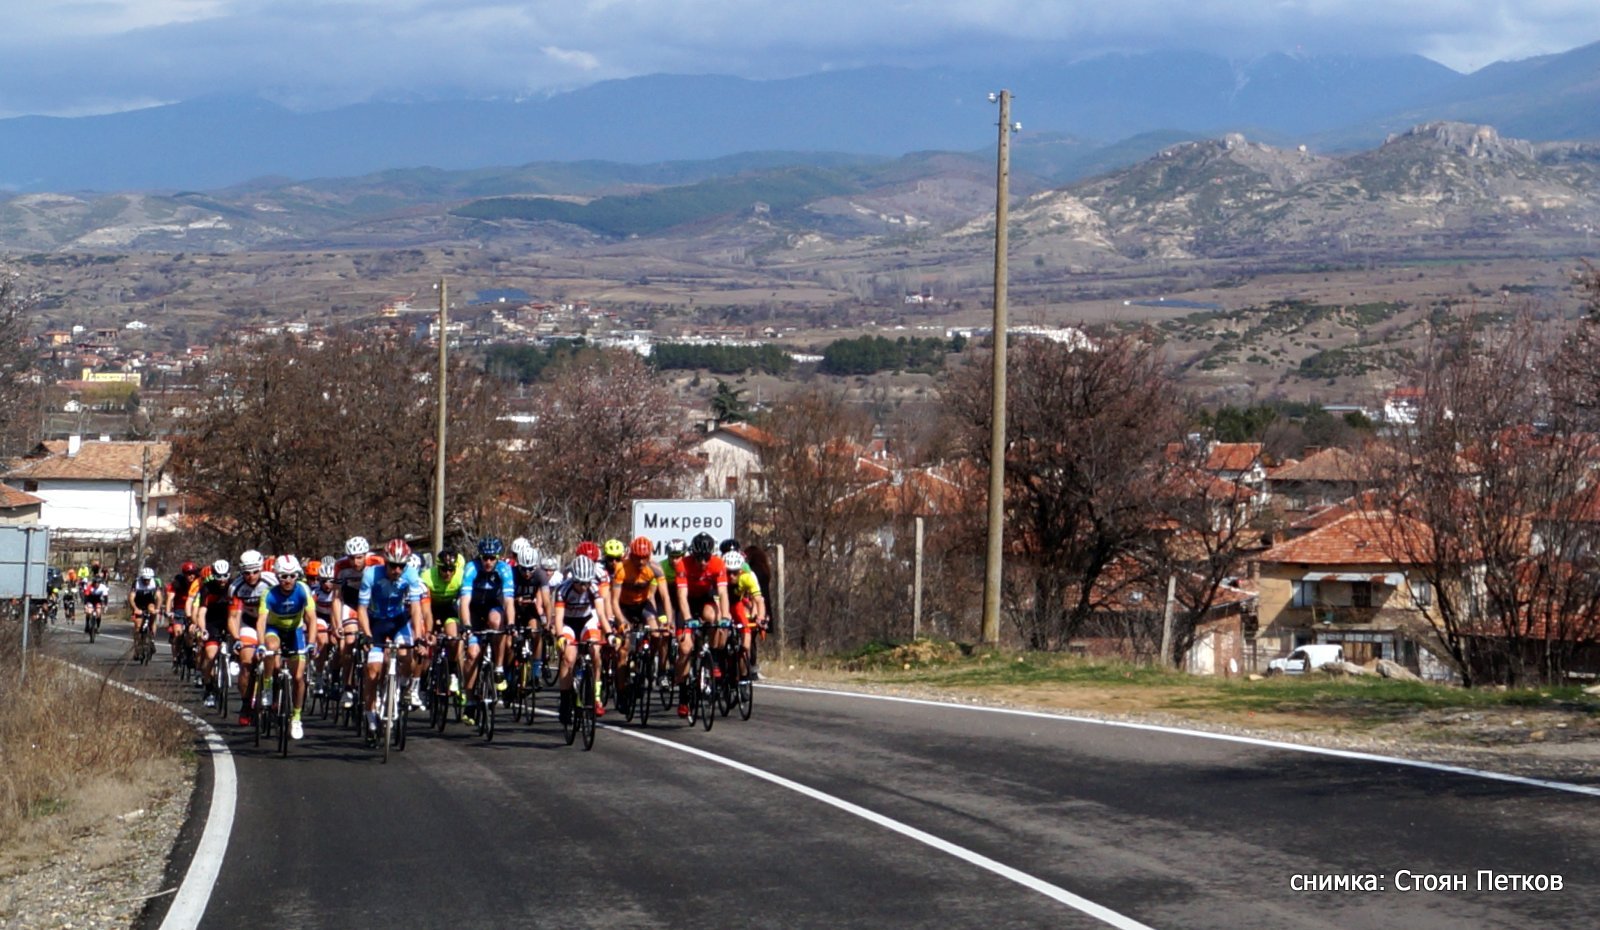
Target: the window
pixel 1361 594
pixel 1305 594
pixel 30 485
pixel 161 509
pixel 732 484
pixel 1421 594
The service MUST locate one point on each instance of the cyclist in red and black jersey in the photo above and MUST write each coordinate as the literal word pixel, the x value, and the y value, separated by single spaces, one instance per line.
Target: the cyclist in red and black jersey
pixel 212 601
pixel 702 582
pixel 179 592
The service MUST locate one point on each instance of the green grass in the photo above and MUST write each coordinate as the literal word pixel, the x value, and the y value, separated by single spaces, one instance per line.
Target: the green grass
pixel 1355 700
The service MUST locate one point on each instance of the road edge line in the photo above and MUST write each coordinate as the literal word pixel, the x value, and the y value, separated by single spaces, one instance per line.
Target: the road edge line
pixel 1590 790
pixel 205 863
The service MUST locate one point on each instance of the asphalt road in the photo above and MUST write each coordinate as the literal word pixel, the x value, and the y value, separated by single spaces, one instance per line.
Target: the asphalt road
pixel 1158 829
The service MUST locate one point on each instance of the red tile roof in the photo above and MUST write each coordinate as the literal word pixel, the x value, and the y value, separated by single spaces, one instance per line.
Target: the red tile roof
pixel 103 461
pixel 1357 539
pixel 1331 464
pixel 13 499
pixel 1233 456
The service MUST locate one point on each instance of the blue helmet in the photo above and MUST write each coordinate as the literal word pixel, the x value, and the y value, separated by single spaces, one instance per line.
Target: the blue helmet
pixel 489 546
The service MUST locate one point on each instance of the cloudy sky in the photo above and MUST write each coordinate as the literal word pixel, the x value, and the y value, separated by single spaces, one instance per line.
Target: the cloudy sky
pixel 71 57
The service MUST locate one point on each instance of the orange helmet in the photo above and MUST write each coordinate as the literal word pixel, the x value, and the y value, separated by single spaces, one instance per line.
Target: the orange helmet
pixel 641 548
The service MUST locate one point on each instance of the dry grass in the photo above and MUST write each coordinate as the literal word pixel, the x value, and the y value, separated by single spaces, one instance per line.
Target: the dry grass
pixel 61 729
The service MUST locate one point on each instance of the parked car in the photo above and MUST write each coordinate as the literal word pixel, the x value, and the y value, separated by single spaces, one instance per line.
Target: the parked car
pixel 1305 659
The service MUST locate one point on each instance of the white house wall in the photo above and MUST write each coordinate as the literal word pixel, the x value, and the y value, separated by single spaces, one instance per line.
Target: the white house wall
pixel 728 459
pixel 88 506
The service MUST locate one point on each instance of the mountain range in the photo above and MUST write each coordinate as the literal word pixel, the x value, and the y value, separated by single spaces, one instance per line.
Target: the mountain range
pixel 1080 117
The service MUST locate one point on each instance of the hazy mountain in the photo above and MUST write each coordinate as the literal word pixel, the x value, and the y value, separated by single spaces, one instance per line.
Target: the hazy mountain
pixel 211 143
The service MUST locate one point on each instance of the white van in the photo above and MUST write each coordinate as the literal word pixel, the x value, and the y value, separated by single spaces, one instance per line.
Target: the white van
pixel 1306 658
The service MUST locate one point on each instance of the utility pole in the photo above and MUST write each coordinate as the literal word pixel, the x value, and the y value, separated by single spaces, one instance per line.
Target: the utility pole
pixel 916 588
pixel 144 508
pixel 997 416
pixel 443 417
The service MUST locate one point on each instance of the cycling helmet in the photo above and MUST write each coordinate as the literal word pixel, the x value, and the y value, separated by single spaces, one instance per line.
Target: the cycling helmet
pixel 734 560
pixel 550 563
pixel 219 568
pixel 729 545
pixel 250 561
pixel 286 566
pixel 396 552
pixel 189 568
pixel 446 560
pixel 524 551
pixel 582 569
pixel 589 550
pixel 357 546
pixel 489 547
pixel 325 570
pixel 641 547
pixel 313 568
pixel 615 549
pixel 702 546
pixel 677 548
pixel 147 573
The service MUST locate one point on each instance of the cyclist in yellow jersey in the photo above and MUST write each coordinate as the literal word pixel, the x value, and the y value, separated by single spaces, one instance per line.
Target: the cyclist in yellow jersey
pixel 749 607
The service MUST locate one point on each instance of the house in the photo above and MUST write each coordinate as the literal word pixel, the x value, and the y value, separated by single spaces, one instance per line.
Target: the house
pixel 90 490
pixel 18 507
pixel 1321 479
pixel 1349 582
pixel 731 457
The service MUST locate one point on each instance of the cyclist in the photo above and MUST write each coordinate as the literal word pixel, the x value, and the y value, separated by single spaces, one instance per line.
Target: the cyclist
pixel 640 594
pixel 579 601
pixel 347 574
pixel 286 621
pixel 180 591
pixel 748 606
pixel 69 595
pixel 389 609
pixel 244 609
pixel 532 597
pixel 95 594
pixel 144 600
pixel 488 601
pixel 441 584
pixel 213 602
pixel 702 583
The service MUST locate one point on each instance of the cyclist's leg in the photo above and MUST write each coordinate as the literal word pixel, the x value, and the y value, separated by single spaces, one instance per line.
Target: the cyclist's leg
pixel 496 620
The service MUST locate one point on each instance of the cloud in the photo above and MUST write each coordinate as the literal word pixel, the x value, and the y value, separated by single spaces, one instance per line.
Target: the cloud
pixel 71 57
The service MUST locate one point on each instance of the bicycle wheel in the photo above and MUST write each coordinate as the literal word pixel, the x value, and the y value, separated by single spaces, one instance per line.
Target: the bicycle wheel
pixel 386 712
pixel 90 627
pixel 283 698
pixel 219 674
pixel 402 724
pixel 706 688
pixel 646 689
pixel 487 698
pixel 552 662
pixel 439 693
pixel 569 721
pixel 747 698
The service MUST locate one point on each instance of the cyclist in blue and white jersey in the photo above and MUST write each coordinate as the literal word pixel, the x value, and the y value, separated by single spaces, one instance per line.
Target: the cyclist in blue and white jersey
pixel 286 621
pixel 580 602
pixel 389 609
pixel 488 601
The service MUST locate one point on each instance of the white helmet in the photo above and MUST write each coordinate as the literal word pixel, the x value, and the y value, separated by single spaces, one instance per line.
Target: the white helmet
pixel 550 563
pixel 325 568
pixel 285 564
pixel 582 569
pixel 357 546
pixel 733 561
pixel 219 568
pixel 250 561
pixel 524 551
pixel 147 573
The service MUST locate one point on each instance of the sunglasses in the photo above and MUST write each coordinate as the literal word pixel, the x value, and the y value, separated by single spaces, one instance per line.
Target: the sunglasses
pixel 399 565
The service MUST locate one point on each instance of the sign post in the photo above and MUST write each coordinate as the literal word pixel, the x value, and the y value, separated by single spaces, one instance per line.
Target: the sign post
pixel 22 572
pixel 663 520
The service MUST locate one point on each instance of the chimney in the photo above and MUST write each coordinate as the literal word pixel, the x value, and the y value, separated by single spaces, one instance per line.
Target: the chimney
pixel 74 443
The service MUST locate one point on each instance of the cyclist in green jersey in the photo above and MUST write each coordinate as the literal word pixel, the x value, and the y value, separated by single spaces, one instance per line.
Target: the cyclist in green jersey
pixel 442 581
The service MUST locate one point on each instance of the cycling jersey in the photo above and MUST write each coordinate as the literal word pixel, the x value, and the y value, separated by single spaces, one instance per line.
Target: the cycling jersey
pixel 286 608
pixel 247 597
pixel 443 592
pixel 347 574
pixel 96 593
pixel 387 600
pixel 215 601
pixel 487 586
pixel 637 580
pixel 701 578
pixel 146 591
pixel 744 585
pixel 179 590
pixel 578 599
pixel 530 581
pixel 323 595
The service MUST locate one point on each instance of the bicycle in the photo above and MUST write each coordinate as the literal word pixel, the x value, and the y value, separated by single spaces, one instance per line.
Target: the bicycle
pixel 703 678
pixel 484 696
pixel 521 683
pixel 441 700
pixel 580 717
pixel 741 693
pixel 223 672
pixel 641 686
pixel 393 709
pixel 144 636
pixel 273 718
pixel 91 620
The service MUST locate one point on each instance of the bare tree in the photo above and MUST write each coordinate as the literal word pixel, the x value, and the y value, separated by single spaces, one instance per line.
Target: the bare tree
pixel 20 390
pixel 1087 430
pixel 607 433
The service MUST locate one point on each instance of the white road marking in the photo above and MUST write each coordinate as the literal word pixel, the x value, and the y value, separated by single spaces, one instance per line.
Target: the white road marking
pixel 1031 882
pixel 189 904
pixel 1590 790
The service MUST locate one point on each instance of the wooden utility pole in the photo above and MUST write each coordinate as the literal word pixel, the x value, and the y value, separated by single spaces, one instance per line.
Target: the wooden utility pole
pixel 1166 622
pixel 916 587
pixel 144 508
pixel 442 413
pixel 997 416
pixel 783 611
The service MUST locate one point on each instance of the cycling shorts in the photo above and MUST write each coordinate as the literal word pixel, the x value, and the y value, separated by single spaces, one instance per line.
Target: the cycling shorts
pixel 382 634
pixel 641 614
pixel 697 607
pixel 480 614
pixel 291 639
pixel 247 636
